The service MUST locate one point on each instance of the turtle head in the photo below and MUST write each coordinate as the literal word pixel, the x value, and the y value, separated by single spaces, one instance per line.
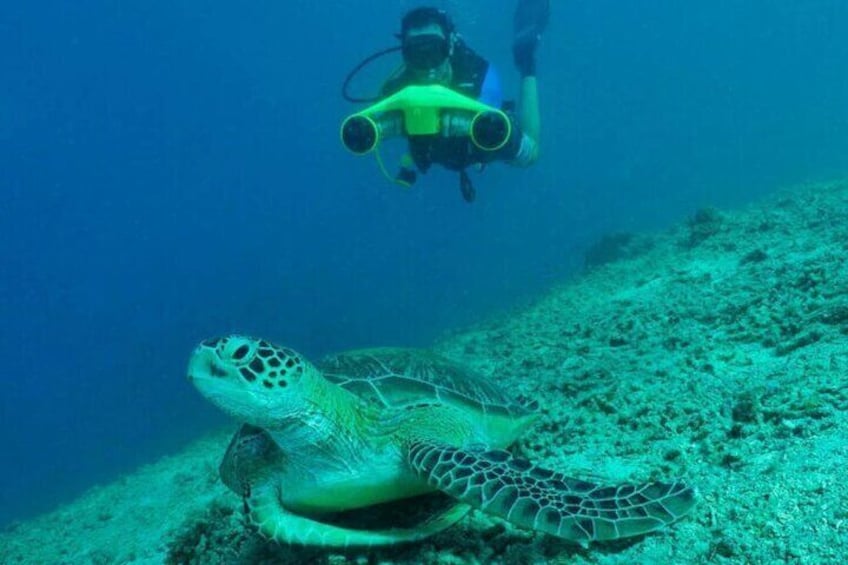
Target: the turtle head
pixel 251 379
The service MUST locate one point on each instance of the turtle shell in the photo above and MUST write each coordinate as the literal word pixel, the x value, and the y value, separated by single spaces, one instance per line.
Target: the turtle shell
pixel 396 377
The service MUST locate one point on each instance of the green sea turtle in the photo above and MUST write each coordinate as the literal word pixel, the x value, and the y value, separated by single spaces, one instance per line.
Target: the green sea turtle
pixel 332 454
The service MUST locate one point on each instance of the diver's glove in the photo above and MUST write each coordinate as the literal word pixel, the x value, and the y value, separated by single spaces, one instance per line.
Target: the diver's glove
pixel 530 20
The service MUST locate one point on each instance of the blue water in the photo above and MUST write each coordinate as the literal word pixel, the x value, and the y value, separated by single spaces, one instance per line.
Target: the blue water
pixel 171 171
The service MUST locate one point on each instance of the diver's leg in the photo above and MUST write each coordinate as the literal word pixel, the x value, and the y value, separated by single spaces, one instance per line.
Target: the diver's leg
pixel 528 115
pixel 530 20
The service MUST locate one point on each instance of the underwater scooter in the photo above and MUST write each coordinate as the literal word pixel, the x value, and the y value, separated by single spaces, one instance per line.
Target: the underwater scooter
pixel 417 110
pixel 426 110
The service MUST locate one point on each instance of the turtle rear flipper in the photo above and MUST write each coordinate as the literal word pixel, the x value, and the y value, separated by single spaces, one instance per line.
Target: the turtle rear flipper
pixel 538 499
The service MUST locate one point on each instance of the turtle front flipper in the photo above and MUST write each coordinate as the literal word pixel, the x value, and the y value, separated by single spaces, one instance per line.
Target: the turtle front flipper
pixel 251 468
pixel 538 499
pixel 265 512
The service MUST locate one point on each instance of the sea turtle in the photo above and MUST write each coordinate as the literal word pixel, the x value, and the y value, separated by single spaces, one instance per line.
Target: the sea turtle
pixel 331 454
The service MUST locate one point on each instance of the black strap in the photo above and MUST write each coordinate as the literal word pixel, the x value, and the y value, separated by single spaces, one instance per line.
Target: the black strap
pixel 466 187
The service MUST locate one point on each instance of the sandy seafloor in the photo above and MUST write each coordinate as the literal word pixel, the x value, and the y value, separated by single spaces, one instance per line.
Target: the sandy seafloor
pixel 716 352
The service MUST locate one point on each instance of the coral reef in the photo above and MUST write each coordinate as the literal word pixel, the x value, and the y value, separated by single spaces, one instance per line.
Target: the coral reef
pixel 718 354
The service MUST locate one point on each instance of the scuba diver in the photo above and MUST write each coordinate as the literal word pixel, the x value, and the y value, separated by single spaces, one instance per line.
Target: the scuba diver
pixel 483 128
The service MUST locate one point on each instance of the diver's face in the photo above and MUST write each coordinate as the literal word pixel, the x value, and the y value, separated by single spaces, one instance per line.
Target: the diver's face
pixel 426 51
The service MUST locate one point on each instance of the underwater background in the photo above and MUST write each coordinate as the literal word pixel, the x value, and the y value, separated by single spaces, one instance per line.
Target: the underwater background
pixel 172 171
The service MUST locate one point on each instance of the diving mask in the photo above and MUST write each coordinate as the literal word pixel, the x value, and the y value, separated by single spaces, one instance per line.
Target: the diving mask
pixel 426 51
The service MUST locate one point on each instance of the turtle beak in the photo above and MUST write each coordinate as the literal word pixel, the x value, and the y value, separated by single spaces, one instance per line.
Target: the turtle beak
pixel 204 364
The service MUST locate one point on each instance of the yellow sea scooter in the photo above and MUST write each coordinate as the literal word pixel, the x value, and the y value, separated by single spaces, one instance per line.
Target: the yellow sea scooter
pixel 429 110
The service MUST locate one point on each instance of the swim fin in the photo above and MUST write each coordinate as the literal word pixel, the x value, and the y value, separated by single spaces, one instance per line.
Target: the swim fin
pixel 530 20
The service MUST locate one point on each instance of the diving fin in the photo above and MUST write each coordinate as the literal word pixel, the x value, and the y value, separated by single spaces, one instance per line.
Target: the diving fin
pixel 530 20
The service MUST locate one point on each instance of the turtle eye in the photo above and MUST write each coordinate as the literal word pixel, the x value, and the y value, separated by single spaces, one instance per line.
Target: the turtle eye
pixel 241 352
pixel 238 351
